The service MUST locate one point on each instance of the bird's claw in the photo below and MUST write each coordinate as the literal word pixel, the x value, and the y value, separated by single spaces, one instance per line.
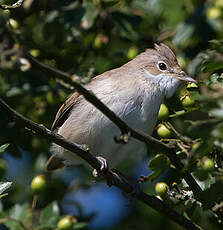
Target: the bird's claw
pixel 103 169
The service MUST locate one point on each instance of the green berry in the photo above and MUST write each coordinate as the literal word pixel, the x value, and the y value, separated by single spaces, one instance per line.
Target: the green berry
pixel 132 52
pixel 213 13
pixel 207 164
pixel 163 112
pixel 161 188
pixel 34 52
pixel 38 183
pixel 66 223
pixel 187 102
pixel 97 42
pixel 196 146
pixel 14 24
pixel 163 131
pixel 219 3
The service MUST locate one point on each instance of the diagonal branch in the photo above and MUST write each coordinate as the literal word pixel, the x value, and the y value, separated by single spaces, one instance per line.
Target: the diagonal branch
pixel 125 129
pixel 110 177
pixel 13 6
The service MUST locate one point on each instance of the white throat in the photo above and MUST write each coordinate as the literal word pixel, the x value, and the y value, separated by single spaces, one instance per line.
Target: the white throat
pixel 166 83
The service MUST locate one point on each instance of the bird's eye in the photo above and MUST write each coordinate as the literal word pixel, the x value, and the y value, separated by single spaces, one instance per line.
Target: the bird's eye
pixel 162 66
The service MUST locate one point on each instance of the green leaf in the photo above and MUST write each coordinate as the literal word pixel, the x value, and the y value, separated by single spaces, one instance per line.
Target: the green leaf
pixel 13 225
pixel 20 212
pixel 212 195
pixel 159 162
pixel 50 215
pixel 4 186
pixel 153 175
pixel 3 148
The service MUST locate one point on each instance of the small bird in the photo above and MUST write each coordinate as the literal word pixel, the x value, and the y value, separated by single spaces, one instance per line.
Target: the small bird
pixel 133 91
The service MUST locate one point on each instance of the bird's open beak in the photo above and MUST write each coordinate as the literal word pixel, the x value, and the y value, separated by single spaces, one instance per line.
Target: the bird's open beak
pixel 184 77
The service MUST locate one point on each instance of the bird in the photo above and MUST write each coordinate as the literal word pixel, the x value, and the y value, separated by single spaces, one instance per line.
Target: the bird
pixel 133 91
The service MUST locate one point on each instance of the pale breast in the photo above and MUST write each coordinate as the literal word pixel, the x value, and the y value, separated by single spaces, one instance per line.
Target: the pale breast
pixel 87 125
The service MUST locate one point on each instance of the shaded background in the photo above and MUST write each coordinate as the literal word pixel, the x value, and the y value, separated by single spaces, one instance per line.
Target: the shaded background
pixel 87 38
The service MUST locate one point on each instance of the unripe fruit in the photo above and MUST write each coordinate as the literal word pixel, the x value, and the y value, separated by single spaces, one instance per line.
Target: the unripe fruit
pixel 163 131
pixel 66 223
pixel 163 112
pixel 132 52
pixel 219 3
pixel 14 24
pixel 213 13
pixel 34 52
pixel 196 146
pixel 97 42
pixel 187 102
pixel 207 164
pixel 161 188
pixel 100 40
pixel 38 183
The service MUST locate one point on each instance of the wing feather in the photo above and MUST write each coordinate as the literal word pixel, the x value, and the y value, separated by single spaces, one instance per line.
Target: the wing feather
pixel 64 111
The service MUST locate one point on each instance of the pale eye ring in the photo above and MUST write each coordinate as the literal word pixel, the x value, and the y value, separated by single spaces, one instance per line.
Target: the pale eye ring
pixel 162 66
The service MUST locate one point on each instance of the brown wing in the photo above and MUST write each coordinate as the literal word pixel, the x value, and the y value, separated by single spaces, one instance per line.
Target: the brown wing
pixel 64 111
pixel 54 162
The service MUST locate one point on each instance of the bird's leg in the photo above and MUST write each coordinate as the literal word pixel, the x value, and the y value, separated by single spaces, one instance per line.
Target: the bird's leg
pixel 103 169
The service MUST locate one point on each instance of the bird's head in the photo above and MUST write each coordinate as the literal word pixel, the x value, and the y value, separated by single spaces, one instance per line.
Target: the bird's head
pixel 160 66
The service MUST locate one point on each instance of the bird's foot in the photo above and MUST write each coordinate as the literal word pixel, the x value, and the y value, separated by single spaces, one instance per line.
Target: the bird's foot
pixel 103 169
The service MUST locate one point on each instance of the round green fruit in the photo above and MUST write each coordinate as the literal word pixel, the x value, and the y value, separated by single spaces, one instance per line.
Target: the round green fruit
pixel 196 146
pixel 65 223
pixel 187 102
pixel 161 188
pixel 97 42
pixel 132 52
pixel 207 164
pixel 163 112
pixel 38 183
pixel 219 3
pixel 213 13
pixel 163 131
pixel 34 52
pixel 14 24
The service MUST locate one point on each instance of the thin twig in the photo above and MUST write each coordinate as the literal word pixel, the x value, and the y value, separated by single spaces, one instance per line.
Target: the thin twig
pixel 178 135
pixel 110 177
pixel 13 6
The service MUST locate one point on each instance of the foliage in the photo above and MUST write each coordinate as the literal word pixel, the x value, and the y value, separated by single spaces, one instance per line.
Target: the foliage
pixel 86 38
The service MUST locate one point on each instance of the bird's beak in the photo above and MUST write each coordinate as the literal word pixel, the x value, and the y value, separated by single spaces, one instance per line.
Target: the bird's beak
pixel 184 77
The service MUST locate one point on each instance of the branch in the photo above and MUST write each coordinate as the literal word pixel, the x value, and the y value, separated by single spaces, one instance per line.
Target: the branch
pixel 110 177
pixel 13 6
pixel 125 129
